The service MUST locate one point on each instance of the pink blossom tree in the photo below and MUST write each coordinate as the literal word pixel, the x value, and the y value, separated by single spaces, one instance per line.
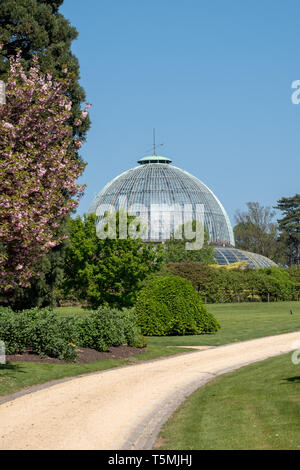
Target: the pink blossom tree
pixel 38 170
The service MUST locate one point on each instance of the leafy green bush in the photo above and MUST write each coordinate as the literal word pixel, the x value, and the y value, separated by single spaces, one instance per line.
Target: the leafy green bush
pixel 107 327
pixel 12 331
pixel 49 334
pixel 44 331
pixel 132 332
pixel 53 336
pixel 170 305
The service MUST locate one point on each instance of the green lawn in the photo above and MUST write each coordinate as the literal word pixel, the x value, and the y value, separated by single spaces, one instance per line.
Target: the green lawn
pixel 238 322
pixel 243 321
pixel 256 407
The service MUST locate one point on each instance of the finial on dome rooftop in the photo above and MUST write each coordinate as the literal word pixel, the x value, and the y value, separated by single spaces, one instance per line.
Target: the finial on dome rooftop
pixel 154 158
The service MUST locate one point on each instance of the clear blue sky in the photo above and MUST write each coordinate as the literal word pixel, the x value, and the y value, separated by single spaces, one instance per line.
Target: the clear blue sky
pixel 213 77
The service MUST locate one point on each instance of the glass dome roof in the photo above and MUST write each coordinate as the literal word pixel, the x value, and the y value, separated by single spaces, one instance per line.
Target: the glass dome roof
pixel 165 197
pixel 226 255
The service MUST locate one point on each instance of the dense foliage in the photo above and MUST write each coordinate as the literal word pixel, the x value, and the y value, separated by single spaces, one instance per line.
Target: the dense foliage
pixel 257 231
pixel 289 226
pixel 44 288
pixel 49 334
pixel 37 171
pixel 44 331
pixel 240 285
pixel 175 249
pixel 107 271
pixel 37 28
pixel 107 327
pixel 170 305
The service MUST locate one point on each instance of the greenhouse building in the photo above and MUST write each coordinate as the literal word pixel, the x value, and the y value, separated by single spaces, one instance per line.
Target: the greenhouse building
pixel 164 198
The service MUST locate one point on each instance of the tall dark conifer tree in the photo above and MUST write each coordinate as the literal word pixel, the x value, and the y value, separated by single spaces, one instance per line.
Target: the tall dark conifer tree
pixel 36 27
pixel 290 227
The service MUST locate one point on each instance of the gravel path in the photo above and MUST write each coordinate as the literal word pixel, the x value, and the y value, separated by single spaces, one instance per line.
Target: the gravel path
pixel 122 408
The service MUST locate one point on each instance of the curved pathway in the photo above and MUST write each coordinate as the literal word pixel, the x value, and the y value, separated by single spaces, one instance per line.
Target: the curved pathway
pixel 122 408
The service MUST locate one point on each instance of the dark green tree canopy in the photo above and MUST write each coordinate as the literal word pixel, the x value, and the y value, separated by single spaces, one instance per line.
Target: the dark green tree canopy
pixel 290 226
pixel 55 4
pixel 37 28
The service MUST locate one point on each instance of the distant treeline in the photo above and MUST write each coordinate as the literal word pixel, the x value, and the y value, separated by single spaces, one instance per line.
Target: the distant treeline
pixel 219 285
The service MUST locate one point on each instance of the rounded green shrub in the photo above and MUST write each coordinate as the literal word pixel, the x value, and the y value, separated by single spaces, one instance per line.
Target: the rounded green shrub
pixel 107 327
pixel 169 305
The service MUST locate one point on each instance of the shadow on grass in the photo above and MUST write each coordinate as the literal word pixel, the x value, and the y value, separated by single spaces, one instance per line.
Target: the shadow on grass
pixel 293 379
pixel 14 367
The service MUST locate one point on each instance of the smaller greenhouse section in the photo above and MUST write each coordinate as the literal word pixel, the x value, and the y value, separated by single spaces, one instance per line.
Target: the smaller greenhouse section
pixel 226 255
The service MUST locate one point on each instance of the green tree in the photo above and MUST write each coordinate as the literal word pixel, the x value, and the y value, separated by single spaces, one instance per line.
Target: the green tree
pixel 256 231
pixel 290 227
pixel 177 252
pixel 37 172
pixel 37 28
pixel 107 271
pixel 44 288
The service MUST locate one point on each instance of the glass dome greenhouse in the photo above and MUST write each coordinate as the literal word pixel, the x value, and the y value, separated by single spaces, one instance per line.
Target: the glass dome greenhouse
pixel 165 197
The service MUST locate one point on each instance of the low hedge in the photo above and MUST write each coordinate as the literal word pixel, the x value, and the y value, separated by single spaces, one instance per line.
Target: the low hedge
pixel 49 334
pixel 169 305
pixel 218 285
pixel 107 327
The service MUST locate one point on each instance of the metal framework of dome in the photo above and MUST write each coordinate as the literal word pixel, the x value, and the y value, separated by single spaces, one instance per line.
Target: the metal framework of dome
pixel 166 197
pixel 226 255
pixel 171 193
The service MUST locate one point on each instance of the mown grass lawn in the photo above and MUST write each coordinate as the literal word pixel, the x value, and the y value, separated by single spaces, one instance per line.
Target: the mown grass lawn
pixel 239 322
pixel 256 407
pixel 243 321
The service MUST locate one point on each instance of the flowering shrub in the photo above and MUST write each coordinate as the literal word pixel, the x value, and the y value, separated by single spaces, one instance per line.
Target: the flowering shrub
pixel 38 170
